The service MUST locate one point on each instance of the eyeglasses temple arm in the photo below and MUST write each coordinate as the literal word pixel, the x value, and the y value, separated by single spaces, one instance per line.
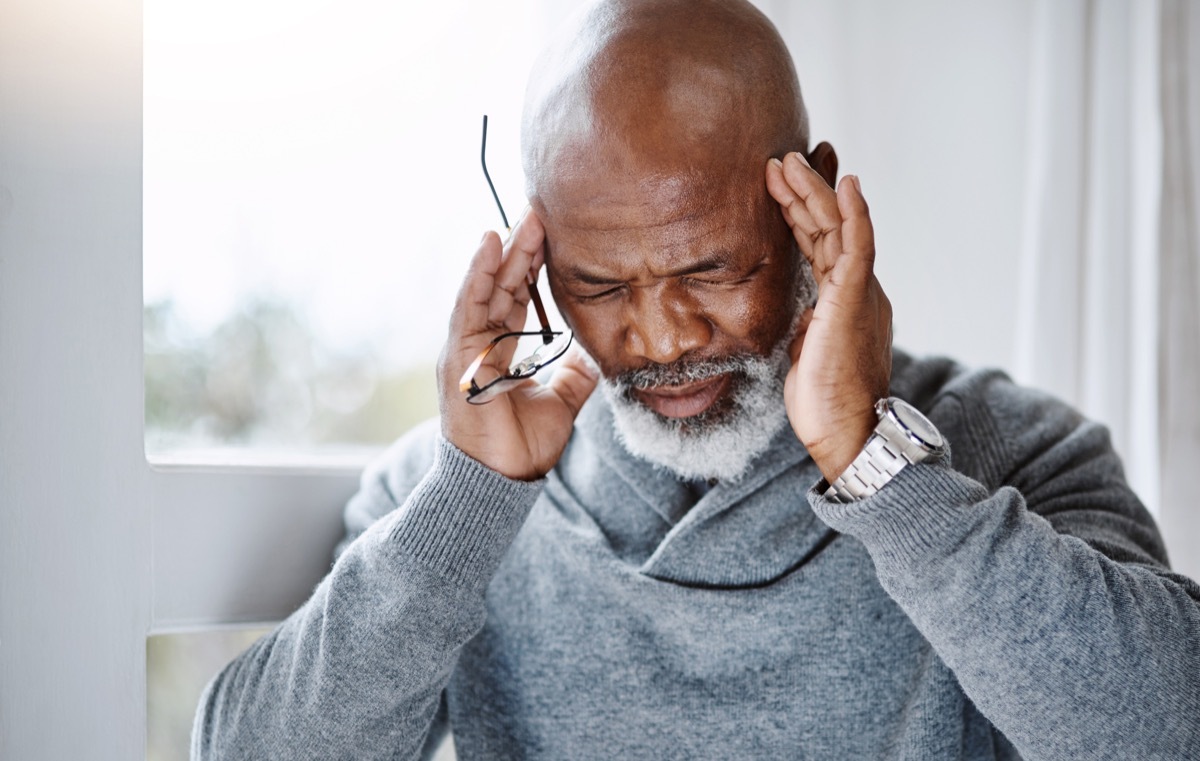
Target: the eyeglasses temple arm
pixel 488 177
pixel 547 334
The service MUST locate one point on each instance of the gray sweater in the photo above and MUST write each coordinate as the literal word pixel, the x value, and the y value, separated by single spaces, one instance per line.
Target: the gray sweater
pixel 1015 605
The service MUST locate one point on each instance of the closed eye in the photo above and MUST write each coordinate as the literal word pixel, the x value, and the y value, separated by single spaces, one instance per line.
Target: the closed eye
pixel 716 280
pixel 724 277
pixel 721 278
pixel 599 295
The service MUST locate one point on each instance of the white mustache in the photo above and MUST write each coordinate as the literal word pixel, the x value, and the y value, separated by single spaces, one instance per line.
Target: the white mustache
pixel 680 372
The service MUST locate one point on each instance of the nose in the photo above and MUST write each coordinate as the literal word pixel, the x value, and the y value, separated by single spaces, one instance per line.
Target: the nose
pixel 664 324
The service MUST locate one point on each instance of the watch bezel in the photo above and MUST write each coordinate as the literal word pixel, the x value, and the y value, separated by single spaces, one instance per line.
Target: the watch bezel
pixel 914 424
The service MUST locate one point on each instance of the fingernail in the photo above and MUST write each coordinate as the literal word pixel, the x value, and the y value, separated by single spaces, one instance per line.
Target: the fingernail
pixel 857 184
pixel 800 157
pixel 777 162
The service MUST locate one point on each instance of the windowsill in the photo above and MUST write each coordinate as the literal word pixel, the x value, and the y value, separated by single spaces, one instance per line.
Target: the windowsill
pixel 325 461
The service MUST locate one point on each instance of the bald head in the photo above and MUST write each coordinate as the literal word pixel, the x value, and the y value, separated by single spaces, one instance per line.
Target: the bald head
pixel 636 90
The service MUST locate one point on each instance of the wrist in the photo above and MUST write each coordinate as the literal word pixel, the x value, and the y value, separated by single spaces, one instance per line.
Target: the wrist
pixel 462 516
pixel 903 436
pixel 834 453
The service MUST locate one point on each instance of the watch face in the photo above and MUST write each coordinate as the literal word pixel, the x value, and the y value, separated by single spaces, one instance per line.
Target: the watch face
pixel 916 423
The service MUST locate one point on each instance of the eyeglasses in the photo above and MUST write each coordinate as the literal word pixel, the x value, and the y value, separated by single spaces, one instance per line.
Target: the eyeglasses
pixel 524 353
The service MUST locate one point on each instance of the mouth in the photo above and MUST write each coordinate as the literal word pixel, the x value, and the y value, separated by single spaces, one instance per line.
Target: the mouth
pixel 685 400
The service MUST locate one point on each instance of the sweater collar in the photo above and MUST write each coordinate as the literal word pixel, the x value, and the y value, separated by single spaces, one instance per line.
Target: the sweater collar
pixel 743 533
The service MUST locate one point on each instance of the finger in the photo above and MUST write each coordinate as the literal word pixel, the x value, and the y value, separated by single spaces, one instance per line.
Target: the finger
pixel 821 202
pixel 521 251
pixel 574 380
pixel 474 298
pixel 858 234
pixel 804 229
pixel 538 259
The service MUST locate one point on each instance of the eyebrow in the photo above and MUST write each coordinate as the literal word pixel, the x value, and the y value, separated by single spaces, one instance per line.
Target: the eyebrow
pixel 714 262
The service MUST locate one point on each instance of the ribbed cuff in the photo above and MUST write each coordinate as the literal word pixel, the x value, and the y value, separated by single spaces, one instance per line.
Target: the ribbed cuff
pixel 919 512
pixel 463 516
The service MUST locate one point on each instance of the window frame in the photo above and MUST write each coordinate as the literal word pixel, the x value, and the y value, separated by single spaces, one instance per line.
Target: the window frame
pixel 98 548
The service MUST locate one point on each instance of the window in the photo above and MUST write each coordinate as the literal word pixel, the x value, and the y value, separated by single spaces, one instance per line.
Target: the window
pixel 312 195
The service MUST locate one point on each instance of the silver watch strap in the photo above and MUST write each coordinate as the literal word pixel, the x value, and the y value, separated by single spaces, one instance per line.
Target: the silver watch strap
pixel 902 437
pixel 878 462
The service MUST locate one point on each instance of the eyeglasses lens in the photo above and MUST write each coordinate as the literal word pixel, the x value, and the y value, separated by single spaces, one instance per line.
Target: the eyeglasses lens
pixel 523 355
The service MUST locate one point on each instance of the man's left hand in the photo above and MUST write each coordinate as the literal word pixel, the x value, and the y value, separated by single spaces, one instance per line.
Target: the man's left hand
pixel 842 363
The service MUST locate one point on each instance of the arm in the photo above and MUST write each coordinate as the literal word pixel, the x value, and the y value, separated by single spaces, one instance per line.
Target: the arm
pixel 358 672
pixel 1044 590
pixel 1048 597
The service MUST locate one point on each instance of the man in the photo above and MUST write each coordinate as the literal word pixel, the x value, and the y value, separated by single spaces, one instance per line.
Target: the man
pixel 650 571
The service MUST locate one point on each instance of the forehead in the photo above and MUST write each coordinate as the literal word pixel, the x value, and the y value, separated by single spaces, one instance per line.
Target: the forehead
pixel 613 218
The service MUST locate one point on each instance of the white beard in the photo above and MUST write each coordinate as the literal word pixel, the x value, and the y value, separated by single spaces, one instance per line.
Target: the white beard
pixel 720 446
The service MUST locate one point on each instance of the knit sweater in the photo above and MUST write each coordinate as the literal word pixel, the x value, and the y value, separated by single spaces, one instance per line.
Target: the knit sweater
pixel 1012 601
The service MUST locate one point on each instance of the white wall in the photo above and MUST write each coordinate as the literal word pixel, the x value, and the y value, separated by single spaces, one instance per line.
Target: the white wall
pixel 926 101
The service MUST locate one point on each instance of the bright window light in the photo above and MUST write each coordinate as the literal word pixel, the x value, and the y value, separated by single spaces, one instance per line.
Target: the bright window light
pixel 312 196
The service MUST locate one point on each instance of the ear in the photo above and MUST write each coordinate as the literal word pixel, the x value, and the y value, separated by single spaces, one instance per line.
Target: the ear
pixel 824 160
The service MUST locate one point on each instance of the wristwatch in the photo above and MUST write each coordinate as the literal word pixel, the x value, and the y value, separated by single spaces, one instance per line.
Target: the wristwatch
pixel 903 436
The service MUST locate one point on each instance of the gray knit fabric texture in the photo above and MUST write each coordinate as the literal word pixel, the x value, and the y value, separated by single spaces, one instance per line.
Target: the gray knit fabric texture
pixel 1011 601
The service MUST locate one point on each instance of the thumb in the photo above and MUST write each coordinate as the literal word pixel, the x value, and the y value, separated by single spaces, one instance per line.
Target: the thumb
pixel 575 379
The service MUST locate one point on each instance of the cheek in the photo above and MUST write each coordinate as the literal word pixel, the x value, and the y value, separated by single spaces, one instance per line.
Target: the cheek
pixel 757 315
pixel 760 314
pixel 596 327
pixel 753 318
pixel 599 332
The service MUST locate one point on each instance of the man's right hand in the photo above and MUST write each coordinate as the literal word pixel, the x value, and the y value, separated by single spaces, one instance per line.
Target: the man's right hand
pixel 520 434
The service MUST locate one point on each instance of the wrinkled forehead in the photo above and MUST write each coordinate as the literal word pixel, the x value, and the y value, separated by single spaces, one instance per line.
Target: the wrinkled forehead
pixel 620 220
pixel 612 183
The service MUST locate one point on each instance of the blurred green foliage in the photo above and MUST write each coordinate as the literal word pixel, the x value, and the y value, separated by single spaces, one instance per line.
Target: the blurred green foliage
pixel 177 668
pixel 262 378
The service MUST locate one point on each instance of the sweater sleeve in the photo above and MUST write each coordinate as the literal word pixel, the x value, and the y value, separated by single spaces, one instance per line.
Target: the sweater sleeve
pixel 358 671
pixel 1047 592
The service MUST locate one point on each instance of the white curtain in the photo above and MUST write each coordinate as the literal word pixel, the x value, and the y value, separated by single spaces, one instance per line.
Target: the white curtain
pixel 1110 262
